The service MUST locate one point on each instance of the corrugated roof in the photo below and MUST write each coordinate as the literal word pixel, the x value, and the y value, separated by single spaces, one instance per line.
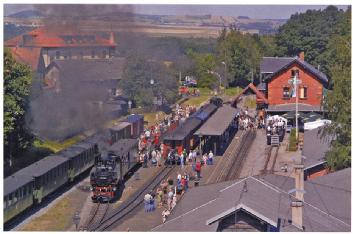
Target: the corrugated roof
pixel 315 147
pixel 267 201
pixel 218 122
pixel 183 129
pixel 273 64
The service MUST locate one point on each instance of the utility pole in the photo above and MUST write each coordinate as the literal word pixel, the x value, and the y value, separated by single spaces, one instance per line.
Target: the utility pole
pixel 295 81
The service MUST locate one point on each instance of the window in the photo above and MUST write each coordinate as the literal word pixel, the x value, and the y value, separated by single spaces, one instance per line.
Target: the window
pixel 295 72
pixel 303 92
pixel 286 94
pixel 57 54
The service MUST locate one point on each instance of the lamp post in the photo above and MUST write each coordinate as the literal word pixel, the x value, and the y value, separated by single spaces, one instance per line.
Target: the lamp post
pixel 219 78
pixel 225 71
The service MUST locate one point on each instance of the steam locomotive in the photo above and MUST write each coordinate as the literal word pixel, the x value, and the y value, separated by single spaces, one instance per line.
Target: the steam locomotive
pixel 32 184
pixel 111 167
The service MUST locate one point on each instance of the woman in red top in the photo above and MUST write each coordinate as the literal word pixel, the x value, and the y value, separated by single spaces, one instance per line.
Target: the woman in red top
pixel 198 169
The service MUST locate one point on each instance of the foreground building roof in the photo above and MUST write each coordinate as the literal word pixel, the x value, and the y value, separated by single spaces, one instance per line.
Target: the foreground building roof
pixel 315 147
pixel 326 205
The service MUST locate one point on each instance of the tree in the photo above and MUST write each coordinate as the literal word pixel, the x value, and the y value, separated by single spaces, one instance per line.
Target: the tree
pixel 17 84
pixel 309 32
pixel 241 54
pixel 136 82
pixel 338 102
pixel 204 64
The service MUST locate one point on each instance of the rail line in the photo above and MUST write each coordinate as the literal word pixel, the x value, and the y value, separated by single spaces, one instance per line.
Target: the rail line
pixel 131 204
pixel 238 161
pixel 100 210
pixel 271 159
pixel 229 166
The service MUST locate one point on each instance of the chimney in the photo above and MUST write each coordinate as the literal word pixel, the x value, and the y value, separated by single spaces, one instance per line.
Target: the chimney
pixel 301 56
pixel 297 203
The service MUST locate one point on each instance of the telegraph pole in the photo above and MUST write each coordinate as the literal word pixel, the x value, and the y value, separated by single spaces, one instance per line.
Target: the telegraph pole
pixel 295 81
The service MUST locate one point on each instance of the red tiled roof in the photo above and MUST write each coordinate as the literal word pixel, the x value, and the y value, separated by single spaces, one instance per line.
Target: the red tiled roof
pixel 29 56
pixel 259 96
pixel 42 37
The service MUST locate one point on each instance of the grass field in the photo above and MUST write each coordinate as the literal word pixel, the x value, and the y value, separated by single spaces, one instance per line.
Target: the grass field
pixel 59 216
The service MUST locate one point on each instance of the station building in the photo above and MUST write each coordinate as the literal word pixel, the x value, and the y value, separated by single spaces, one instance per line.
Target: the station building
pixel 274 90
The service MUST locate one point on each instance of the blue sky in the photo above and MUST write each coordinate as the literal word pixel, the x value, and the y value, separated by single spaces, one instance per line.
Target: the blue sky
pixel 253 11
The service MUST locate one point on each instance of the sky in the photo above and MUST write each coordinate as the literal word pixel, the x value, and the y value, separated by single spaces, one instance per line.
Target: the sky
pixel 252 11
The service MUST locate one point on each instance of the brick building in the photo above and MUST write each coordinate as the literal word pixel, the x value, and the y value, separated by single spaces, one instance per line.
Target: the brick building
pixel 275 75
pixel 40 47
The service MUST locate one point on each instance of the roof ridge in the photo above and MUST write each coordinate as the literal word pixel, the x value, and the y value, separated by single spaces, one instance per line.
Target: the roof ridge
pixel 314 207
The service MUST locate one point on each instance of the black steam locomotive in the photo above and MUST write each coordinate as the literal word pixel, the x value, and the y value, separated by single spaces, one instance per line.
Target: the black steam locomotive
pixel 111 168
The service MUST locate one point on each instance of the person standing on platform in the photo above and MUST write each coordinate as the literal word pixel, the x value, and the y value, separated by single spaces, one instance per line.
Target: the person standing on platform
pixel 210 157
pixel 198 169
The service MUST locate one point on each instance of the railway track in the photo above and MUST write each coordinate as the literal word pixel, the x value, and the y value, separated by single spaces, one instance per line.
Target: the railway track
pixel 232 160
pixel 242 152
pixel 271 158
pixel 99 212
pixel 127 207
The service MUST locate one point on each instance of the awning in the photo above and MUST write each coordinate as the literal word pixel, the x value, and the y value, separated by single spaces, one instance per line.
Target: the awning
pixel 217 124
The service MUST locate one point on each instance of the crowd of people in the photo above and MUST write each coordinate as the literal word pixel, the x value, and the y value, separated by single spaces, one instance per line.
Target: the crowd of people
pixel 245 120
pixel 275 124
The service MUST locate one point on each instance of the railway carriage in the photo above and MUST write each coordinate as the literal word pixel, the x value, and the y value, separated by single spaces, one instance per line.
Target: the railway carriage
pixel 183 135
pixel 18 195
pixel 81 157
pixel 137 122
pixel 122 130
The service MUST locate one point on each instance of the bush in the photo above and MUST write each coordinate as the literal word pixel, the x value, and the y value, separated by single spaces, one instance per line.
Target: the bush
pixel 292 141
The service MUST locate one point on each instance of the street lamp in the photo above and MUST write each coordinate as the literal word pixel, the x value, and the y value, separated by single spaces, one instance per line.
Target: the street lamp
pixel 219 78
pixel 225 71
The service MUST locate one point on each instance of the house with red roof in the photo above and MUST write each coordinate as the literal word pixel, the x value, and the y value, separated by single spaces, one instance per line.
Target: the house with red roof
pixel 38 48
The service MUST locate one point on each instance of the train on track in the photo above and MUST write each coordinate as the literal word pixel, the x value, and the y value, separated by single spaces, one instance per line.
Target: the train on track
pixel 111 168
pixel 275 129
pixel 30 185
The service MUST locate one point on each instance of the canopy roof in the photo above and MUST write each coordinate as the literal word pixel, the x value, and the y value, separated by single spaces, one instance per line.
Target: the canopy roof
pixel 217 124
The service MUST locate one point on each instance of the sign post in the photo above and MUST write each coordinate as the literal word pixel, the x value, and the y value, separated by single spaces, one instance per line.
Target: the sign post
pixel 295 81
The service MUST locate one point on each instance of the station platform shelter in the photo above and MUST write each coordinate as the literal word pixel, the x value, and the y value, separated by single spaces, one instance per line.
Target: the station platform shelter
pixel 217 132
